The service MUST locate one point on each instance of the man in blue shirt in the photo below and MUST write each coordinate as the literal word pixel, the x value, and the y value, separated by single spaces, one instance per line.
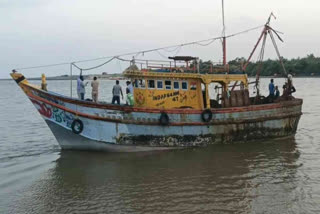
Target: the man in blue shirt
pixel 271 88
pixel 271 91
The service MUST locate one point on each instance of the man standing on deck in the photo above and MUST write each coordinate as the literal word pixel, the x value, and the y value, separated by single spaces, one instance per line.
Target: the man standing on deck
pixel 277 92
pixel 271 91
pixel 271 88
pixel 116 91
pixel 95 89
pixel 129 92
pixel 81 87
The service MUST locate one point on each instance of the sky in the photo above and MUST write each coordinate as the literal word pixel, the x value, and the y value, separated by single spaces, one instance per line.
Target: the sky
pixel 40 32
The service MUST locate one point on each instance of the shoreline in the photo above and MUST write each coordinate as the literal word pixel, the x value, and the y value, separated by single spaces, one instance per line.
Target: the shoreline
pixel 120 77
pixel 75 77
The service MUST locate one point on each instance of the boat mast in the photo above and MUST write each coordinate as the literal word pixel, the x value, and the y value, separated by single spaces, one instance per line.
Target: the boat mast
pixel 224 38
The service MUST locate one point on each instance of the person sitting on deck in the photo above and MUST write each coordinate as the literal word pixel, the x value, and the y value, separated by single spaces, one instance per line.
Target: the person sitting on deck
pixel 116 91
pixel 81 87
pixel 95 89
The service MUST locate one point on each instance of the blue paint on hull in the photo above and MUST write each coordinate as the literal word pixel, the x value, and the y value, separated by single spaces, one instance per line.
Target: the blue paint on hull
pixel 145 138
pixel 119 130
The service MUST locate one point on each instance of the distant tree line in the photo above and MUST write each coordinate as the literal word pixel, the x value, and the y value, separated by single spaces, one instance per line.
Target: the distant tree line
pixel 306 66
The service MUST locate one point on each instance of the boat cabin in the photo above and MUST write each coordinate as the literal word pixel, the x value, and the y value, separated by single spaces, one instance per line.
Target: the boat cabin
pixel 174 87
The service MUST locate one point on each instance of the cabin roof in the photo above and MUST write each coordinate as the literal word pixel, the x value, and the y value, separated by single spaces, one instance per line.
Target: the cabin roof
pixel 182 58
pixel 206 78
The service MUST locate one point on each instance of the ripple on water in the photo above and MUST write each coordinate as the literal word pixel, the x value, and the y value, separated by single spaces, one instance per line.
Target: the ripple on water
pixel 261 177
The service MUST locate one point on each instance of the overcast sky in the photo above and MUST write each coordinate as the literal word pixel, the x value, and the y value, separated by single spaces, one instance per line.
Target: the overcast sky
pixel 36 32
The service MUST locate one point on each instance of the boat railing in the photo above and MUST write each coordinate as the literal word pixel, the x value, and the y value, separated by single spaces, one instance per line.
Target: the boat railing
pixel 178 67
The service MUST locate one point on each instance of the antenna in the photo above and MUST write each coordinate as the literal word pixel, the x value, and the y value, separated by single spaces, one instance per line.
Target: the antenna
pixel 269 19
pixel 224 37
pixel 223 25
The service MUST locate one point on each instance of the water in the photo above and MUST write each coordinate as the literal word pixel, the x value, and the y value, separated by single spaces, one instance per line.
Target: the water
pixel 278 176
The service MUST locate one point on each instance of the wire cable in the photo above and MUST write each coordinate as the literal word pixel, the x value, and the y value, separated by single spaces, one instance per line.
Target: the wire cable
pixel 210 40
pixel 86 69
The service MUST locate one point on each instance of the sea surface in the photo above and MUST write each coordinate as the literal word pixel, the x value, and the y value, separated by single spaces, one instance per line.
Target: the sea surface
pixel 275 176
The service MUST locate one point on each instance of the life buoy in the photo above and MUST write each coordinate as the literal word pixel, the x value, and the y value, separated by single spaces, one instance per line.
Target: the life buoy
pixel 206 115
pixel 164 119
pixel 77 126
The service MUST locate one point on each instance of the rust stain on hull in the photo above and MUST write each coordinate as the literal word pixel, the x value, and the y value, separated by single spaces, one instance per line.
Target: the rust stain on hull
pixel 233 133
pixel 122 127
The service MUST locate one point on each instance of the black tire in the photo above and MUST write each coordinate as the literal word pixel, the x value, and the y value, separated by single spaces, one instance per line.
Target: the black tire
pixel 164 119
pixel 77 126
pixel 206 115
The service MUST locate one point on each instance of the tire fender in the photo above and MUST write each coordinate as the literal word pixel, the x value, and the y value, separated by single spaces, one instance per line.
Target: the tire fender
pixel 164 119
pixel 77 126
pixel 206 115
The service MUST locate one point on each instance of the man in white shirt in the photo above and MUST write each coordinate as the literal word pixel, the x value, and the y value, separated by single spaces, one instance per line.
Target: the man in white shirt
pixel 81 87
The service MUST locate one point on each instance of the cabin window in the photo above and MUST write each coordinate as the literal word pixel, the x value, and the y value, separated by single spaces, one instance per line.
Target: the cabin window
pixel 184 85
pixel 167 84
pixel 135 83
pixel 193 85
pixel 159 84
pixel 151 84
pixel 176 85
pixel 142 83
pixel 139 83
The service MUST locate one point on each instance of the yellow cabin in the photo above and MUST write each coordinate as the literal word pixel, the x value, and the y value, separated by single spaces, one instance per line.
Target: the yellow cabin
pixel 184 87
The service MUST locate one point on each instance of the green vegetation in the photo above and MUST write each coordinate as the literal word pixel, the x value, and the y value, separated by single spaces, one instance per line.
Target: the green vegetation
pixel 306 66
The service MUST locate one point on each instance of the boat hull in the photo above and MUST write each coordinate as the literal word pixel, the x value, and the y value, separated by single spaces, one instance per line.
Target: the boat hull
pixel 71 141
pixel 117 128
pixel 147 142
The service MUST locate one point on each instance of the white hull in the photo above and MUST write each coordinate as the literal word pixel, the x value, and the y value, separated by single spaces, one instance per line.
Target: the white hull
pixel 68 140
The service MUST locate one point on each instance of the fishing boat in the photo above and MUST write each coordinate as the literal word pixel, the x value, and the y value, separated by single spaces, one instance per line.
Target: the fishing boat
pixel 173 107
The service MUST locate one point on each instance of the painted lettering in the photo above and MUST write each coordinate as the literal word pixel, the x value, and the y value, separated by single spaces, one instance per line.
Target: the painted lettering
pixel 167 95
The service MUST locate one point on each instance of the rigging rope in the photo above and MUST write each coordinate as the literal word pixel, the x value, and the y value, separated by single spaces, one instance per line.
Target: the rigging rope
pixel 166 57
pixel 177 51
pixel 245 31
pixel 43 66
pixel 261 55
pixel 210 40
pixel 198 43
pixel 277 51
pixel 86 69
pixel 176 48
pixel 163 56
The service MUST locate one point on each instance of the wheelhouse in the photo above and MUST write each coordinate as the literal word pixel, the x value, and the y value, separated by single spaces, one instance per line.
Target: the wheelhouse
pixel 185 86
